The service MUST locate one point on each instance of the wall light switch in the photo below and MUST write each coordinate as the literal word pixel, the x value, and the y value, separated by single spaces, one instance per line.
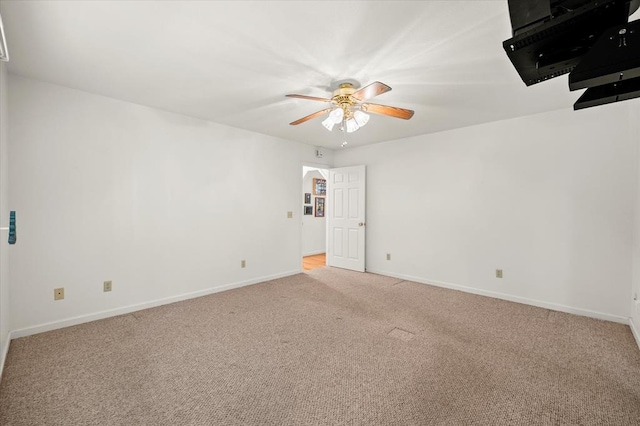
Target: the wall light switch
pixel 106 286
pixel 289 215
pixel 388 256
pixel 498 273
pixel 243 263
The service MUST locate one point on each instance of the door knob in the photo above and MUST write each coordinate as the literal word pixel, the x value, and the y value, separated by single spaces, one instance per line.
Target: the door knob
pixel 361 224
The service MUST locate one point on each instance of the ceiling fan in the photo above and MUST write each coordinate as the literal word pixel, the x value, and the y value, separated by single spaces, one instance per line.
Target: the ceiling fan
pixel 349 109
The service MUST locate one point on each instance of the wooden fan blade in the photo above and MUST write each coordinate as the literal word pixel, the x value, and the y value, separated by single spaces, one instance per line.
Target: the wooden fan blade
pixel 310 116
pixel 311 98
pixel 405 114
pixel 374 89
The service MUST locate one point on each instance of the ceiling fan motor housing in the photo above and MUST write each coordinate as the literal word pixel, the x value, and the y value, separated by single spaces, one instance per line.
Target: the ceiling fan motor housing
pixel 342 98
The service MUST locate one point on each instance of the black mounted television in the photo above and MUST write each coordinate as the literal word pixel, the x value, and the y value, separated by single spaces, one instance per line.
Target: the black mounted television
pixel 550 37
pixel 591 40
pixel 611 70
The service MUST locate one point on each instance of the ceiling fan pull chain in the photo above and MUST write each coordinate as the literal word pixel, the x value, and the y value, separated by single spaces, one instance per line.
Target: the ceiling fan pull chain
pixel 344 133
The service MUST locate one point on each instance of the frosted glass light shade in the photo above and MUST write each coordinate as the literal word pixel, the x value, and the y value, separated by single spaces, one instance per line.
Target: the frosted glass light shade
pixel 328 123
pixel 334 118
pixel 352 126
pixel 361 118
pixel 336 115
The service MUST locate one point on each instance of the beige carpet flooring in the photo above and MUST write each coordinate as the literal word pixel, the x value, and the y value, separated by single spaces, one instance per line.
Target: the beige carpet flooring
pixel 330 347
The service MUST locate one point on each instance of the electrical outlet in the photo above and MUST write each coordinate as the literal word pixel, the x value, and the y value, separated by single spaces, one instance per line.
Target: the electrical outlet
pixel 289 215
pixel 243 263
pixel 58 293
pixel 106 286
pixel 388 256
pixel 498 273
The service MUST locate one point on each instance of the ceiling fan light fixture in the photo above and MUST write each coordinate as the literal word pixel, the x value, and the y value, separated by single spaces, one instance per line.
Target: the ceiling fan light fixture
pixel 334 118
pixel 361 118
pixel 328 123
pixel 336 115
pixel 352 126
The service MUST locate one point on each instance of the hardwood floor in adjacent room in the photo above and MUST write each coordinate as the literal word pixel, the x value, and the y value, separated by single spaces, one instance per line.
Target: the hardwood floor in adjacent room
pixel 314 262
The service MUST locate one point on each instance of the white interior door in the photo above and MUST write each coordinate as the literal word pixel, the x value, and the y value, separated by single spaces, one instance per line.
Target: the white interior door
pixel 346 218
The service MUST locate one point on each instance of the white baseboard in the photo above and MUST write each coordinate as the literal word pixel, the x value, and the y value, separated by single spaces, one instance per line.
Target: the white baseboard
pixel 54 325
pixel 3 355
pixel 313 253
pixel 503 296
pixel 635 331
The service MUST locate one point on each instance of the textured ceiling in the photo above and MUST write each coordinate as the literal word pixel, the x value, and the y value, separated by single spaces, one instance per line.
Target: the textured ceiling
pixel 234 62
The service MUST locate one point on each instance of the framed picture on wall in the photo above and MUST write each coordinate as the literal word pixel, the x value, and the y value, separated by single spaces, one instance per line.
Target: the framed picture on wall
pixel 319 207
pixel 308 210
pixel 307 198
pixel 319 186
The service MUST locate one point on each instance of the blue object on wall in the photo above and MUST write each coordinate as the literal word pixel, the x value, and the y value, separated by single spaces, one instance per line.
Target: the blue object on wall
pixel 12 227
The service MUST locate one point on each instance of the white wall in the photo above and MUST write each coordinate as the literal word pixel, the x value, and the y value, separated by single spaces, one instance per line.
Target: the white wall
pixel 314 229
pixel 162 204
pixel 4 217
pixel 547 198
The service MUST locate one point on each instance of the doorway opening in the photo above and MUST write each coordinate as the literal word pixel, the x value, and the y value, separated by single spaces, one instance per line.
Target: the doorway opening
pixel 314 225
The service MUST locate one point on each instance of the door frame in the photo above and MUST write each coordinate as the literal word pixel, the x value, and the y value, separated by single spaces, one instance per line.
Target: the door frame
pixel 322 166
